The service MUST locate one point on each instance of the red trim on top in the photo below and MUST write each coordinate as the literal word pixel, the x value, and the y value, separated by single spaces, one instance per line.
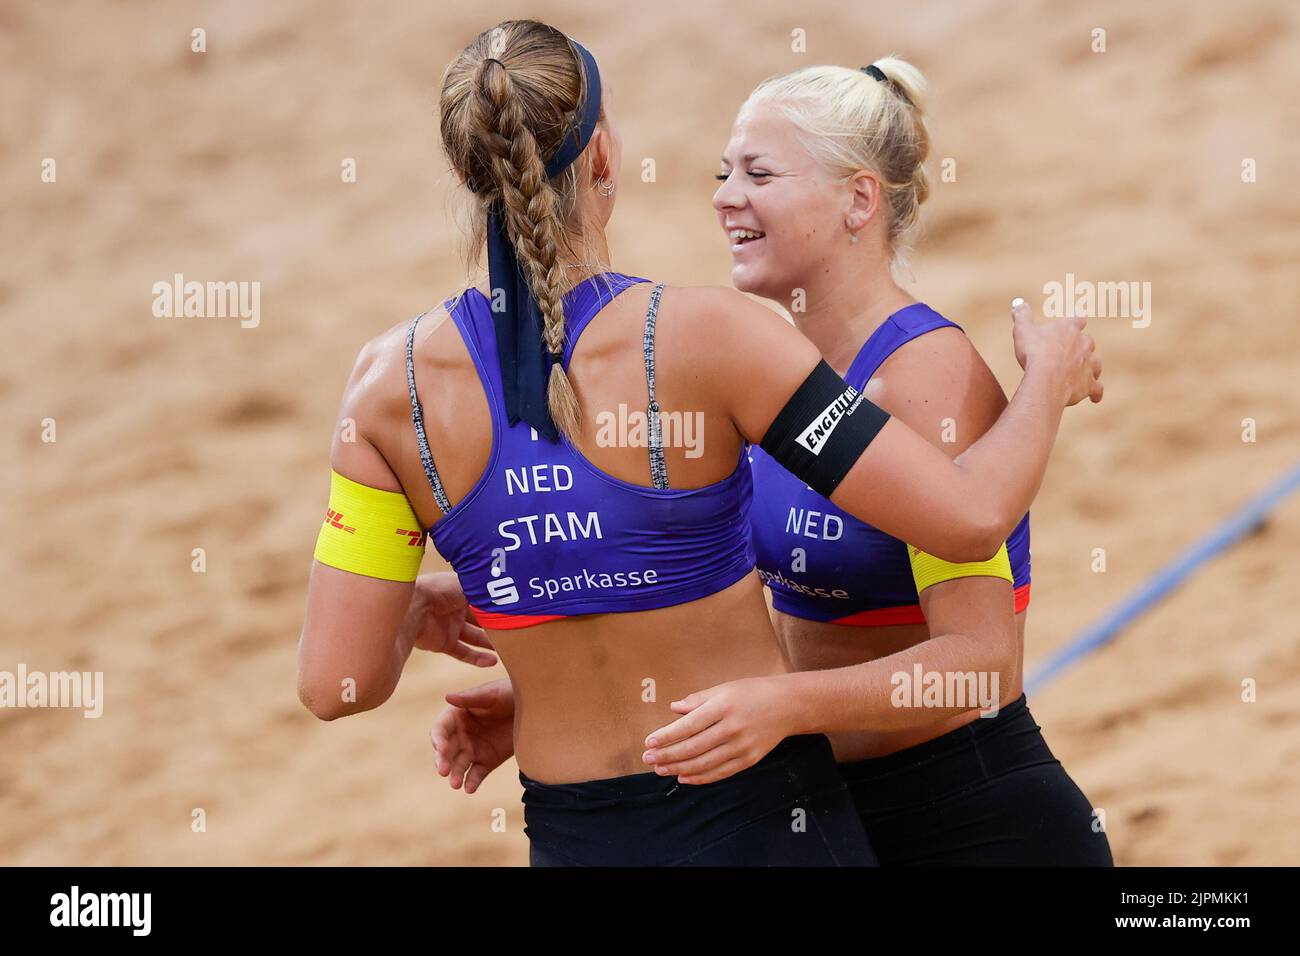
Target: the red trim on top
pixel 496 621
pixel 884 617
pixel 1022 597
pixel 911 613
pixel 879 617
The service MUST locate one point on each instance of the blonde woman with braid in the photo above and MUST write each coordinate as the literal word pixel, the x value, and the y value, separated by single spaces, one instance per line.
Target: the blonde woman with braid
pixel 616 579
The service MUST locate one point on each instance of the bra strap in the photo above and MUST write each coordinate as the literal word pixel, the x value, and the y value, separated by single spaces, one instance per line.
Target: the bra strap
pixel 658 467
pixel 417 416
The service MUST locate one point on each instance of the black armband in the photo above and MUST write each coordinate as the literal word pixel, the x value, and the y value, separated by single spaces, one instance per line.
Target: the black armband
pixel 823 430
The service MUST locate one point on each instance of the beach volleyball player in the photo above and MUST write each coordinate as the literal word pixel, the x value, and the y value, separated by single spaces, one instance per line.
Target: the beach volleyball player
pixel 970 781
pixel 473 424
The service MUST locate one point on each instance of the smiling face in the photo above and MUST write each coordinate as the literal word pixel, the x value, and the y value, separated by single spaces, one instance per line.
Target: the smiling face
pixel 781 209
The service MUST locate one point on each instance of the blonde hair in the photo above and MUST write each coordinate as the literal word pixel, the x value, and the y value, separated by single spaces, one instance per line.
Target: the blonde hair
pixel 507 101
pixel 852 121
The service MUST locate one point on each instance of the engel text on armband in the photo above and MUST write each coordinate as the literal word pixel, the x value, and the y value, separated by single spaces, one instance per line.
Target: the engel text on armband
pixel 819 429
pixel 776 577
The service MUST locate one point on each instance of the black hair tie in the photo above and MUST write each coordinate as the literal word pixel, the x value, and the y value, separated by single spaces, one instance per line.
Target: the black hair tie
pixel 877 73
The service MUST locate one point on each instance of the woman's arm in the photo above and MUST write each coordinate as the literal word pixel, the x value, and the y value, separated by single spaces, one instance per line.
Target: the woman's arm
pixel 357 635
pixel 957 510
pixel 940 387
pixel 973 648
pixel 732 726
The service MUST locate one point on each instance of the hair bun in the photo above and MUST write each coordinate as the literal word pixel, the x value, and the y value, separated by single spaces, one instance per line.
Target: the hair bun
pixel 906 80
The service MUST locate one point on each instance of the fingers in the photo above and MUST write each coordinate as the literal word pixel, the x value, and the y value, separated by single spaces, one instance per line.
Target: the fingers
pixel 463 652
pixel 724 771
pixel 436 738
pixel 473 634
pixel 463 758
pixel 1020 310
pixel 693 723
pixel 689 703
pixel 705 763
pixel 667 758
pixel 484 696
pixel 450 745
pixel 444 593
pixel 477 774
pixel 445 741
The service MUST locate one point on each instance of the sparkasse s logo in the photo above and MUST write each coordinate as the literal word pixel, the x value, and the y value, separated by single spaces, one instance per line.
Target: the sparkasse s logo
pixel 502 590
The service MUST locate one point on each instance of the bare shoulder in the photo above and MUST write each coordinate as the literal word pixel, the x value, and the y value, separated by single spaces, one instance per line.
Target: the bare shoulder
pixel 939 385
pixel 746 358
pixel 376 390
pixel 380 365
pixel 720 306
pixel 726 324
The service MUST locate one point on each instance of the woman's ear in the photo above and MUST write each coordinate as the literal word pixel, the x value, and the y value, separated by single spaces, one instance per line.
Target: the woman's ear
pixel 600 147
pixel 864 200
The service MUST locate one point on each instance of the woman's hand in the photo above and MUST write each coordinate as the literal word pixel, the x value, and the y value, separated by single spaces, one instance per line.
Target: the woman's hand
pixel 474 735
pixel 726 728
pixel 1063 342
pixel 438 619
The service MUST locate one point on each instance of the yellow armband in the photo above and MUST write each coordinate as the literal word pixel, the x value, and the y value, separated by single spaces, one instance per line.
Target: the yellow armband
pixel 371 532
pixel 928 570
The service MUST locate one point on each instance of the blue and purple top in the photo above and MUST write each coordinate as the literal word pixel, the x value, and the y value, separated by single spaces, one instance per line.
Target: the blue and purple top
pixel 823 564
pixel 545 534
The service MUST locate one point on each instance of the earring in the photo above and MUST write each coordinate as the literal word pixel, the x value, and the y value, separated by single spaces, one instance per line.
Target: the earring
pixel 606 188
pixel 853 237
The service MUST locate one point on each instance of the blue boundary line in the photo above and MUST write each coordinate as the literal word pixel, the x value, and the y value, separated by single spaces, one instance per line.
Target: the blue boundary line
pixel 1159 585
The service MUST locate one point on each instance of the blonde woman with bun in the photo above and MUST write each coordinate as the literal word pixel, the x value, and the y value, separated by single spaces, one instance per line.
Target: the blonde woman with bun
pixel 614 578
pixel 921 693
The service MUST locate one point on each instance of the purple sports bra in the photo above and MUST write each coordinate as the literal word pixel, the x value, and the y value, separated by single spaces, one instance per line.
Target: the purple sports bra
pixel 545 534
pixel 823 564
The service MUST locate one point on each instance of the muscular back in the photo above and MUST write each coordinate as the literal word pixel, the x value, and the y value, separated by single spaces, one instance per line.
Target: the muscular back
pixel 589 688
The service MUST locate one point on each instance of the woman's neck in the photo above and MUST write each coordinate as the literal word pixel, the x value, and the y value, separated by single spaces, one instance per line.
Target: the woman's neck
pixel 838 315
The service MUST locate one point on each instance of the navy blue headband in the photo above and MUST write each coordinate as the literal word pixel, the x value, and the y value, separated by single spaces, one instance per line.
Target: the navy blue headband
pixel 575 141
pixel 521 348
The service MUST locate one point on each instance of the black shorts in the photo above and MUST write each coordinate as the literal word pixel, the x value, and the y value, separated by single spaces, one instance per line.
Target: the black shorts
pixel 987 794
pixel 789 809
